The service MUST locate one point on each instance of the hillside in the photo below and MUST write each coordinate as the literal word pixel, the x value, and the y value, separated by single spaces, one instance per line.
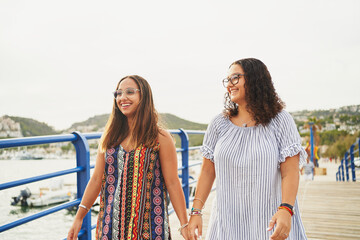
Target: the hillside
pixel 335 124
pixel 352 111
pixel 171 121
pixel 93 124
pixel 168 121
pixel 23 127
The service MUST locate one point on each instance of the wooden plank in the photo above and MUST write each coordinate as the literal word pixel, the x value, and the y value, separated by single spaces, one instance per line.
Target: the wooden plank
pixel 330 210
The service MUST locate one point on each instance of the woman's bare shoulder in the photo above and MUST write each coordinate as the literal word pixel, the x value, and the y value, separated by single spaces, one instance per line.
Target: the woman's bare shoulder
pixel 164 136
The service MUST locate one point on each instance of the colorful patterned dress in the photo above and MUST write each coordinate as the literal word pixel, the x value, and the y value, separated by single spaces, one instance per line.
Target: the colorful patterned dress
pixel 133 203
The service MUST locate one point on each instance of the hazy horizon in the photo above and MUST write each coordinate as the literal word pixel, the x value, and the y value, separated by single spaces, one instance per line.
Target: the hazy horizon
pixel 39 120
pixel 60 60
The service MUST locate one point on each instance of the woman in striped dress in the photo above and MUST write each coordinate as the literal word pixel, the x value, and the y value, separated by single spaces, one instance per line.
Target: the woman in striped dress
pixel 136 167
pixel 254 150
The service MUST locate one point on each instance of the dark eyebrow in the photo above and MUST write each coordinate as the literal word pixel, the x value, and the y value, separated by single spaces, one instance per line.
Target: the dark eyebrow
pixel 235 74
pixel 125 88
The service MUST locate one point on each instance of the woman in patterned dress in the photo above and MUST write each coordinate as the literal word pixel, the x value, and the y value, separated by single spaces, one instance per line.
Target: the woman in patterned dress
pixel 254 150
pixel 136 167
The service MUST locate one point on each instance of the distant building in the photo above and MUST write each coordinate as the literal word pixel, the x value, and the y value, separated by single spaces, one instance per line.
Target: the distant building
pixel 329 127
pixel 337 121
pixel 343 127
pixel 9 128
pixel 303 130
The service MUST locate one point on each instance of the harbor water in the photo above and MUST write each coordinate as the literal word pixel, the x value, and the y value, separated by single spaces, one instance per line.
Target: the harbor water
pixel 53 226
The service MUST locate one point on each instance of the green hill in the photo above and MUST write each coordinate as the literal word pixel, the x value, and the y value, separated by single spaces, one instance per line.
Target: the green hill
pixel 99 121
pixel 168 121
pixel 31 127
pixel 171 121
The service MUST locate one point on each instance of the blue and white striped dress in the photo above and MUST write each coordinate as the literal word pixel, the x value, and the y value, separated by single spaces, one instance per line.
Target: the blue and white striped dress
pixel 248 178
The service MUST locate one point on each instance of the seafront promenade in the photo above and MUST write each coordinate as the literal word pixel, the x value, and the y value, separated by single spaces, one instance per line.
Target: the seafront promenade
pixel 329 209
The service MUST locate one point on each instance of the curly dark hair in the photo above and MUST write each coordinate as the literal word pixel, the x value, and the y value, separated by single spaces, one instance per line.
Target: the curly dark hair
pixel 263 103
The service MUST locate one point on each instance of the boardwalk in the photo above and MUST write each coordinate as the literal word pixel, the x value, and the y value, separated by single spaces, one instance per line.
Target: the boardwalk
pixel 329 209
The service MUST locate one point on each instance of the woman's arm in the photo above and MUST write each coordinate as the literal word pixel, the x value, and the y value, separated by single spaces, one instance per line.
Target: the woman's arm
pixel 168 160
pixel 289 188
pixel 91 192
pixel 203 188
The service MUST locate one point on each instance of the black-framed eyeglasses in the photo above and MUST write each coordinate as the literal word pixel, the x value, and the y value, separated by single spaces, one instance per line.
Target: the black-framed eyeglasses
pixel 234 79
pixel 127 92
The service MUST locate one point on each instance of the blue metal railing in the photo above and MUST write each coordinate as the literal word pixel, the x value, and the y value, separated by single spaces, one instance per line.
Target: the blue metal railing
pixel 82 170
pixel 348 163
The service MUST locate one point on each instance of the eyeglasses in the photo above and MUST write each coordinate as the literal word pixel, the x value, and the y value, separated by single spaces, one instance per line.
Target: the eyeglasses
pixel 234 79
pixel 127 92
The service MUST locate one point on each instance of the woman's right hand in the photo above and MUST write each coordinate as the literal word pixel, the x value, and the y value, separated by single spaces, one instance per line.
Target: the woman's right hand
pixel 195 223
pixel 74 230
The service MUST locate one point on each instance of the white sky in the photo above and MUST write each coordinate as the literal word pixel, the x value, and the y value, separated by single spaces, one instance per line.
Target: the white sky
pixel 60 60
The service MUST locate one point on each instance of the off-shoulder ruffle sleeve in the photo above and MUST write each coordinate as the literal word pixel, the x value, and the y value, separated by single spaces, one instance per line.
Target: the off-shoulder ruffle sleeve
pixel 210 139
pixel 288 138
pixel 293 150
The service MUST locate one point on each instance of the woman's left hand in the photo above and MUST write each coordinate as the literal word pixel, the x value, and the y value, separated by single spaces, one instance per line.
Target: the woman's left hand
pixel 185 233
pixel 282 219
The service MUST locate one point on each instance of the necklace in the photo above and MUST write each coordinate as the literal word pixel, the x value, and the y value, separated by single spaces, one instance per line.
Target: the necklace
pixel 245 124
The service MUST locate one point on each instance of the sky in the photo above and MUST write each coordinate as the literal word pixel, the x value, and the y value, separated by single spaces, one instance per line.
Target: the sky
pixel 60 61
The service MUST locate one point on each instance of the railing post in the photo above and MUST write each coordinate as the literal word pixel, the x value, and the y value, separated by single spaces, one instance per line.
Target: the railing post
pixel 312 142
pixel 352 164
pixel 346 166
pixel 339 171
pixel 83 160
pixel 185 164
pixel 342 170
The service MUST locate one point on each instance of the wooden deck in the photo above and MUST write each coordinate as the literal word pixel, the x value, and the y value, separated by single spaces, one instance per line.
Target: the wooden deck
pixel 330 210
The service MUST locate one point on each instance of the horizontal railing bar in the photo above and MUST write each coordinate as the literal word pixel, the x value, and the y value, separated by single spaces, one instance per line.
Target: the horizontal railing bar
pixel 180 150
pixel 190 177
pixel 184 185
pixel 38 215
pixel 192 182
pixel 190 148
pixel 18 142
pixel 94 135
pixel 195 131
pixel 194 148
pixel 39 178
pixel 174 131
pixel 192 165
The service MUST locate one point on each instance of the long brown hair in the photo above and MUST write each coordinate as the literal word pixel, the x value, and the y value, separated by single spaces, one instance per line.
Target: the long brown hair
pixel 263 103
pixel 145 124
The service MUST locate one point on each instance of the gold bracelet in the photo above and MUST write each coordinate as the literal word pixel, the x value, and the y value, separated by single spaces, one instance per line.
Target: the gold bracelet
pixel 200 201
pixel 84 207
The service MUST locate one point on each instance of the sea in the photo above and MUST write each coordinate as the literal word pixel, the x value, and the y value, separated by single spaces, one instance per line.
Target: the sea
pixel 53 226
